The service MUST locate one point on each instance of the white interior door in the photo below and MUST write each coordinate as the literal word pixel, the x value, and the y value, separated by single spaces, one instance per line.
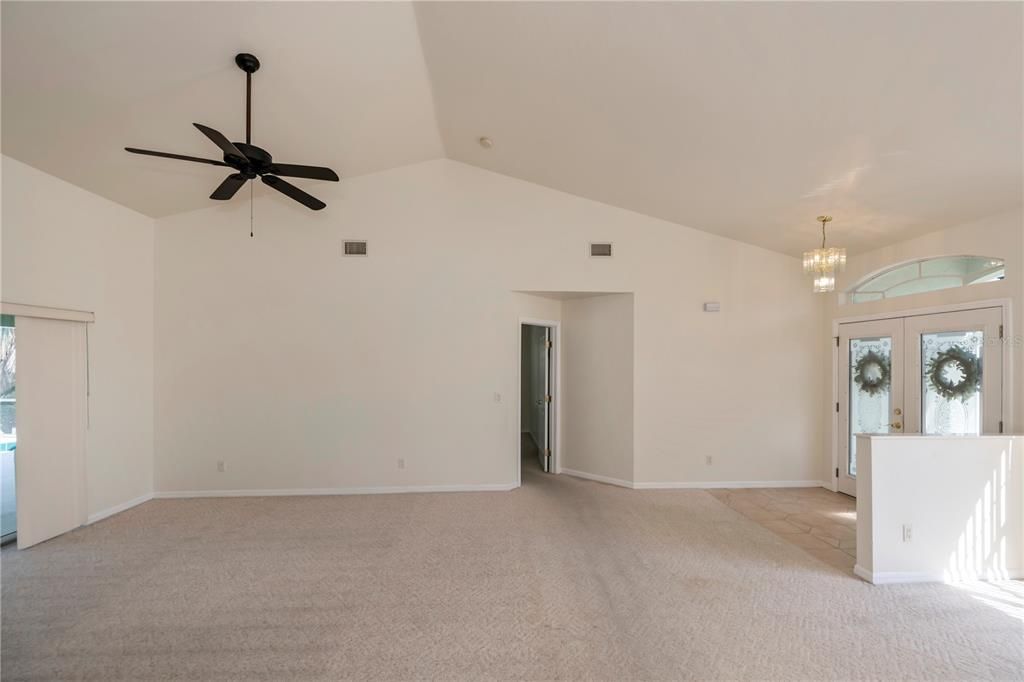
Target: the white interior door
pixel 955 364
pixel 547 404
pixel 870 389
pixel 538 368
pixel 537 390
pixel 50 465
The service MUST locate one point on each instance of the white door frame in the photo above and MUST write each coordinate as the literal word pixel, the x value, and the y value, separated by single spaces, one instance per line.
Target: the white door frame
pixel 1005 304
pixel 556 384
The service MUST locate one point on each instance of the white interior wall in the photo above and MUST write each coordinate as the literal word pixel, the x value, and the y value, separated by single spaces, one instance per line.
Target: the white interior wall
pixel 539 306
pixel 65 247
pixel 598 386
pixel 1000 236
pixel 68 248
pixel 302 369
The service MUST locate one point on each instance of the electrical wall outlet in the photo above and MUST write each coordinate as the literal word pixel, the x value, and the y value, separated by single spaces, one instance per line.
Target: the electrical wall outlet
pixel 401 463
pixel 908 532
pixel 221 466
pixel 707 460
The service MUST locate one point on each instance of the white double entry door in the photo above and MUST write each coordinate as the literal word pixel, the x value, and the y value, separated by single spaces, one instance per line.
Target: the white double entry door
pixel 930 374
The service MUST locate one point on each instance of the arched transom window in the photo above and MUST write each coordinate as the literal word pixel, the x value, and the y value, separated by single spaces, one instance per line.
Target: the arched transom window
pixel 931 274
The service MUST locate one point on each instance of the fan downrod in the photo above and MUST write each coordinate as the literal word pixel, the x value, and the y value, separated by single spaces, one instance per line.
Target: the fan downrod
pixel 247 62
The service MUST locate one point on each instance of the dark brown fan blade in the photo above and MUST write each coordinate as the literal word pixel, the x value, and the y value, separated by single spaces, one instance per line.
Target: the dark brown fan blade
pixel 290 170
pixel 221 141
pixel 180 157
pixel 290 190
pixel 227 189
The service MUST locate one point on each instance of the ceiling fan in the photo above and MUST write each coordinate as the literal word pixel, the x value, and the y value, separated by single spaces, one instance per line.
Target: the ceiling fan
pixel 249 160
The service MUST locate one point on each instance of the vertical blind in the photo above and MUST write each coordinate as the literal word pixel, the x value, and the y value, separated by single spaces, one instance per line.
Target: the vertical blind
pixel 50 460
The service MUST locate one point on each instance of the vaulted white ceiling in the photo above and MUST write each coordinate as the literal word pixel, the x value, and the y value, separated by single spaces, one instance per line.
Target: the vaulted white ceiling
pixel 743 119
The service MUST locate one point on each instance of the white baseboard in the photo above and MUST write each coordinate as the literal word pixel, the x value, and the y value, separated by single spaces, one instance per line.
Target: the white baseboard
pixel 901 577
pixel 355 490
pixel 863 573
pixel 458 488
pixel 117 509
pixel 600 479
pixel 690 485
pixel 668 485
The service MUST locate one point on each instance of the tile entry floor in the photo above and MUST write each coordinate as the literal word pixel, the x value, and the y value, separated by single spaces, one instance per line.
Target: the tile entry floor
pixel 820 521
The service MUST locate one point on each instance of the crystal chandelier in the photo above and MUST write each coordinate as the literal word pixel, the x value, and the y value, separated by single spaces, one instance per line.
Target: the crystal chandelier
pixel 823 263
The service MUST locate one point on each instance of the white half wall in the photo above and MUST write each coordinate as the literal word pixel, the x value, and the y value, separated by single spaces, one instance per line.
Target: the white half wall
pixel 597 396
pixel 940 509
pixel 300 368
pixel 64 247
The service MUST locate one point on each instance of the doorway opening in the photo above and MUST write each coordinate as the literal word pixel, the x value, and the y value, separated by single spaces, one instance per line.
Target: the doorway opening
pixel 537 397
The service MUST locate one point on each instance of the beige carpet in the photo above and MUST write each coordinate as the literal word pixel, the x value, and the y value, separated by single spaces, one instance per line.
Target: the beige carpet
pixel 561 579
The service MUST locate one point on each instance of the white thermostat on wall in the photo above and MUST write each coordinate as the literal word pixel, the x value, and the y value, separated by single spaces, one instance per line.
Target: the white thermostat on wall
pixel 712 307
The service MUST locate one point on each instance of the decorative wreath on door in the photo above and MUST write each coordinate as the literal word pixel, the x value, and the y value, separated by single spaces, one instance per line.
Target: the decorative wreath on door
pixel 872 372
pixel 955 373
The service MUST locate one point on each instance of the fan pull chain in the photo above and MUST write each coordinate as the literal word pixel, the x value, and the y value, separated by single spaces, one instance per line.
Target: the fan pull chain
pixel 250 209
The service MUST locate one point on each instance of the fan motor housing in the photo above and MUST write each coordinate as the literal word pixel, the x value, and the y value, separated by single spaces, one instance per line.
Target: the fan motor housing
pixel 258 159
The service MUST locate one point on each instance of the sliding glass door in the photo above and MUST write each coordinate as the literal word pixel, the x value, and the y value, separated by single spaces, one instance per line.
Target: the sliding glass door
pixel 8 431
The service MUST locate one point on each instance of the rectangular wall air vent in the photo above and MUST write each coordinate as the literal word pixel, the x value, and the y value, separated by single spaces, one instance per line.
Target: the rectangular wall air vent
pixel 355 248
pixel 601 249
